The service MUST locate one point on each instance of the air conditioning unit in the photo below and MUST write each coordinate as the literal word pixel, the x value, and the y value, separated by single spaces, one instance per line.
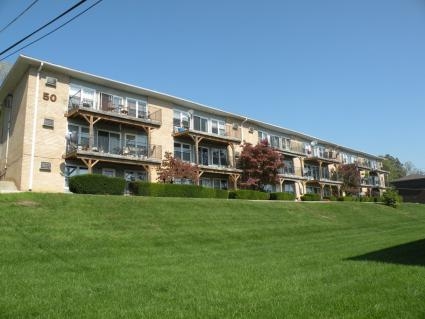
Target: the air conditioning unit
pixel 235 126
pixel 251 130
pixel 237 154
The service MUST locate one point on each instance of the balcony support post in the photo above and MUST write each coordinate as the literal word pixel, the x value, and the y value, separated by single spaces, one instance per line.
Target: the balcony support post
pixel 234 178
pixel 302 165
pixel 281 180
pixel 197 139
pixel 92 121
pixel 90 163
pixel 232 147
pixel 320 173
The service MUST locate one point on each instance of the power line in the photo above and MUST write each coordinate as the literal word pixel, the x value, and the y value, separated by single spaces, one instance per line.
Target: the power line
pixel 19 15
pixel 47 24
pixel 54 30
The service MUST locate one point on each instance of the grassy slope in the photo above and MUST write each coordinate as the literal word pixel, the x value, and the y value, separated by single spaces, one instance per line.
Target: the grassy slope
pixel 65 256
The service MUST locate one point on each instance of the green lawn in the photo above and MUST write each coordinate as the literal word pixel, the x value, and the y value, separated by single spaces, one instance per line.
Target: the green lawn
pixel 70 256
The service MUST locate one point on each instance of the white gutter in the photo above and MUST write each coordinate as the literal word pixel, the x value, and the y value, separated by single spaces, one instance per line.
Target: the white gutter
pixel 34 127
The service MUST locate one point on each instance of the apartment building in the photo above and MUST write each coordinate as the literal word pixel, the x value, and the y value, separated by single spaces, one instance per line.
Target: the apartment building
pixel 58 122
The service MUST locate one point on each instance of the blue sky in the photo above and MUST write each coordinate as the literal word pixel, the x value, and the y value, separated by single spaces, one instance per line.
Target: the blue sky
pixel 351 72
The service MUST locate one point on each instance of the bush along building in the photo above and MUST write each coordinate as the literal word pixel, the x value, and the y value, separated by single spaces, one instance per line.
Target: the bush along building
pixel 58 122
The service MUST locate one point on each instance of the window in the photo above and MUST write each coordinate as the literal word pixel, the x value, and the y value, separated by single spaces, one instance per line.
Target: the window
pixel 200 124
pixel 218 127
pixel 275 141
pixel 132 176
pixel 108 142
pixel 286 143
pixel 50 81
pixel 205 182
pixel 311 171
pixel 262 136
pixel 81 96
pixel 219 157
pixel 288 167
pixel 136 145
pixel 183 152
pixel 289 188
pixel 110 172
pixel 181 119
pixel 79 135
pixel 203 156
pixel 137 108
pixel 111 102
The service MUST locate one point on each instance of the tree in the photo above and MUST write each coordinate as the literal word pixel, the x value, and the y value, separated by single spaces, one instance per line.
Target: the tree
pixel 394 167
pixel 410 169
pixel 260 164
pixel 172 168
pixel 350 177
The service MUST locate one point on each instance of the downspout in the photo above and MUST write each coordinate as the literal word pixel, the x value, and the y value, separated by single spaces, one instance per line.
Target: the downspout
pixel 246 119
pixel 34 127
pixel 7 139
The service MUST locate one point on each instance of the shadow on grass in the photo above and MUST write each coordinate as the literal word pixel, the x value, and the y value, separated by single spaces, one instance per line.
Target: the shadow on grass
pixel 412 253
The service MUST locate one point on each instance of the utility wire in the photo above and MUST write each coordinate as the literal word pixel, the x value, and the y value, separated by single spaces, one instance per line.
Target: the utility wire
pixel 20 15
pixel 54 30
pixel 47 24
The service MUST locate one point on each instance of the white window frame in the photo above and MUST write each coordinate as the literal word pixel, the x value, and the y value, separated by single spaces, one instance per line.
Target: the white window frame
pixel 182 147
pixel 181 115
pixel 141 106
pixel 86 95
pixel 221 127
pixel 264 136
pixel 201 121
pixel 276 137
pixel 109 140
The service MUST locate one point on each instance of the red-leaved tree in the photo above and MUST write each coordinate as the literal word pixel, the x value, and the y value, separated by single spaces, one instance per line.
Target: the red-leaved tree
pixel 260 165
pixel 350 178
pixel 172 168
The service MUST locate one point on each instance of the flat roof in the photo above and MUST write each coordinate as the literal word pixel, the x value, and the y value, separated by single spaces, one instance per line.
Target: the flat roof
pixel 23 63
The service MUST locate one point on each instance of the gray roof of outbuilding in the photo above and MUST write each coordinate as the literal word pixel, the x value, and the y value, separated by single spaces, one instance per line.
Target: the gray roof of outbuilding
pixel 411 177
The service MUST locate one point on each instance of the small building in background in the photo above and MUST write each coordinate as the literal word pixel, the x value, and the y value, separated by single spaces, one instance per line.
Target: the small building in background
pixel 411 188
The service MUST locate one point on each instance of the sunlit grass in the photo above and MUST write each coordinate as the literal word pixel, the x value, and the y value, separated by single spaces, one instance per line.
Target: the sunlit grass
pixel 69 256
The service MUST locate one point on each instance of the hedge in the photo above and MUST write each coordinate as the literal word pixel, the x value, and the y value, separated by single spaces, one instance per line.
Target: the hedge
pixel 310 197
pixel 96 184
pixel 175 190
pixel 248 194
pixel 282 196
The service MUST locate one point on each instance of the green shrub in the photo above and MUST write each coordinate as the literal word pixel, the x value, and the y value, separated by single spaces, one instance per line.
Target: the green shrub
pixel 282 196
pixel 248 194
pixel 175 190
pixel 310 197
pixel 96 184
pixel 347 198
pixel 391 198
pixel 331 198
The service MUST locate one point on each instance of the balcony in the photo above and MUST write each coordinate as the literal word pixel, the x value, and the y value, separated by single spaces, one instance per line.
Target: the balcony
pixel 371 181
pixel 227 169
pixel 367 164
pixel 320 155
pixel 228 134
pixel 114 153
pixel 290 172
pixel 115 113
